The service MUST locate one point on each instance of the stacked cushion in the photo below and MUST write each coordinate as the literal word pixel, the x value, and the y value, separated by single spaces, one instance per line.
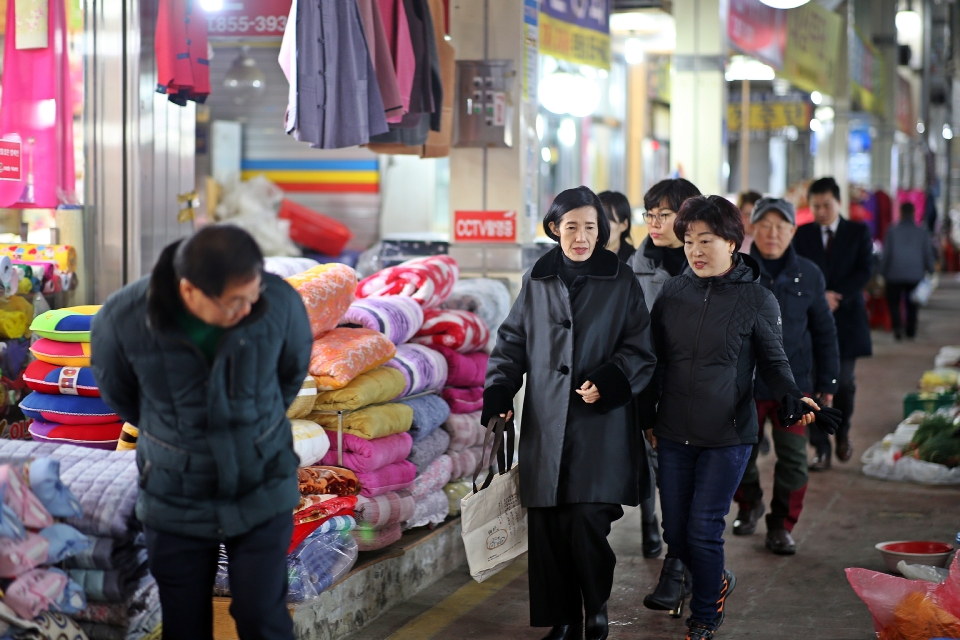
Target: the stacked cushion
pixel 68 410
pixel 65 325
pixel 67 354
pixel 57 379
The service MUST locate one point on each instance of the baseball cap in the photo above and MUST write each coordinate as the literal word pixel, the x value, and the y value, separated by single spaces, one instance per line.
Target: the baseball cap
pixel 781 206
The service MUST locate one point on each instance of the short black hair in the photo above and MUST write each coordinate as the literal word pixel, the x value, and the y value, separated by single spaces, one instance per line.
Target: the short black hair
pixel 567 201
pixel 617 207
pixel 748 197
pixel 908 212
pixel 217 256
pixel 674 190
pixel 718 213
pixel 824 185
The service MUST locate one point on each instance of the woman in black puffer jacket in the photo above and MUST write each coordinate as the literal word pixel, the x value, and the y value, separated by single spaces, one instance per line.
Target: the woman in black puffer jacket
pixel 712 327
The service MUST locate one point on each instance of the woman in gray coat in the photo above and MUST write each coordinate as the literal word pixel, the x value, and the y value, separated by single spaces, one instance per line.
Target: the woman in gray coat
pixel 580 332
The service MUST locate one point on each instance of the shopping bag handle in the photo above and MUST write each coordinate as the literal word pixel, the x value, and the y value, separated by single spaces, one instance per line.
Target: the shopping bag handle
pixel 496 429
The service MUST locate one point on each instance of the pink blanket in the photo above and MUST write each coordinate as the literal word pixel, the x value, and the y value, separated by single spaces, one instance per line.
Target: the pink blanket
pixel 428 280
pixel 464 370
pixel 459 330
pixel 363 456
pixel 373 540
pixel 464 462
pixel 465 430
pixel 393 477
pixel 464 400
pixel 434 478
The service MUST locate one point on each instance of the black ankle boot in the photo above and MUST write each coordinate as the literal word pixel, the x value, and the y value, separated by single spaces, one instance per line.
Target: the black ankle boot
pixel 652 542
pixel 671 590
pixel 597 626
pixel 566 632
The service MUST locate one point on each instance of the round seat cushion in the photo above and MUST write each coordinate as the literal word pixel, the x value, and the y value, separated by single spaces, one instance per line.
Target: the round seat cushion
pixel 100 436
pixel 65 325
pixel 52 378
pixel 67 354
pixel 72 410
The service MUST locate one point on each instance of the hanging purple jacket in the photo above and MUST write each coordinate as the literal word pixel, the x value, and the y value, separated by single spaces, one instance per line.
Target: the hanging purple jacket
pixel 338 99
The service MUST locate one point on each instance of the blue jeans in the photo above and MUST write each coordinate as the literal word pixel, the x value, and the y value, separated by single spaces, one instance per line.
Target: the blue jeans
pixel 696 487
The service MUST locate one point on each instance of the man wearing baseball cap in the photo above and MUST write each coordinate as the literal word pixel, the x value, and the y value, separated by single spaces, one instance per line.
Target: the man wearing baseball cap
pixel 810 340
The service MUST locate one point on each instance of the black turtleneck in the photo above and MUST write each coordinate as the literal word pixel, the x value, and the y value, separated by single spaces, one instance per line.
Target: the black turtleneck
pixel 774 267
pixel 570 270
pixel 674 261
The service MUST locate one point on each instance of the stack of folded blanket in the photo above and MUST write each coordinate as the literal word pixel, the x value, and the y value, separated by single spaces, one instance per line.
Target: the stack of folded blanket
pixel 122 598
pixel 428 280
pixel 396 317
pixel 466 373
pixel 488 298
pixel 466 443
pixel 432 505
pixel 31 541
pixel 65 405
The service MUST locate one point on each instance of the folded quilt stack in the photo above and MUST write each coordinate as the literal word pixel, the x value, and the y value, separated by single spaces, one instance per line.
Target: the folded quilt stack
pixel 65 404
pixel 102 582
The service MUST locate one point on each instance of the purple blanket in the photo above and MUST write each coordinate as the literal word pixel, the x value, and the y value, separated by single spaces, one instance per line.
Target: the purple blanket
pixel 464 400
pixel 396 317
pixel 464 369
pixel 423 368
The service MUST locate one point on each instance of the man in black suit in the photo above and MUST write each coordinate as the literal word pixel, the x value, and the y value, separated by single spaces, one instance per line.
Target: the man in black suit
pixel 844 252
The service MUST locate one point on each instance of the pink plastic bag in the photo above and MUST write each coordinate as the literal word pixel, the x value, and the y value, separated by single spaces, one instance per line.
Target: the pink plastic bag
pixel 882 592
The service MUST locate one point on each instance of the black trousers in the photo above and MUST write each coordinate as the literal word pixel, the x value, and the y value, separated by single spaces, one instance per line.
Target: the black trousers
pixel 571 563
pixel 185 569
pixel 843 401
pixel 897 293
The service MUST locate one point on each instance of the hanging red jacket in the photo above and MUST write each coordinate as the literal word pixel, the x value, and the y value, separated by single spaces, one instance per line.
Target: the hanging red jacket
pixel 174 72
pixel 197 43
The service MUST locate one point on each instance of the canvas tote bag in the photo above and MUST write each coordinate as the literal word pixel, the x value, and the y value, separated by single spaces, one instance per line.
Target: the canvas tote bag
pixel 494 525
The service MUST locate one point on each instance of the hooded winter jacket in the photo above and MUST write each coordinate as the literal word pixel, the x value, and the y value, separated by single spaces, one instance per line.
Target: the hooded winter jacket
pixel 647 265
pixel 215 450
pixel 709 335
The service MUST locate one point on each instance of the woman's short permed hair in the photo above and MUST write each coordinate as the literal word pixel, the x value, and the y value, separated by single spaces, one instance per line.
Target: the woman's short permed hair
pixel 567 201
pixel 719 214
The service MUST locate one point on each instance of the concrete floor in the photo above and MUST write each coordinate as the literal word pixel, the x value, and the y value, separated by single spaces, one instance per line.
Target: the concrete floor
pixel 804 596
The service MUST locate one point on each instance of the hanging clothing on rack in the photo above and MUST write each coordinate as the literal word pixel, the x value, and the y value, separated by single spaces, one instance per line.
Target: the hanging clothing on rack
pixel 181 49
pixel 382 60
pixel 288 63
pixel 401 50
pixel 338 98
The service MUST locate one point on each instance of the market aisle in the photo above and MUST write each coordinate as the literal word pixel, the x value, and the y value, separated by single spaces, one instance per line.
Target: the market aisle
pixel 806 596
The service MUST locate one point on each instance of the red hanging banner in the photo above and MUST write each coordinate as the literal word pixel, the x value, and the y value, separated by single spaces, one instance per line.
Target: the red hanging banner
pixel 10 161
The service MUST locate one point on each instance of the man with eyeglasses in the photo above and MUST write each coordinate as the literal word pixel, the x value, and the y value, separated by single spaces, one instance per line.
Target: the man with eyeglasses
pixel 204 356
pixel 810 341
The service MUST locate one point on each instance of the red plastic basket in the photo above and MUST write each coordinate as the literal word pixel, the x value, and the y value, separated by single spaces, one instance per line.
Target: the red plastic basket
pixel 314 230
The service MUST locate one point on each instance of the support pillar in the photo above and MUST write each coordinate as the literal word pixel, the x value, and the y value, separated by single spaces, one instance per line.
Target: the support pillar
pixel 698 99
pixel 884 29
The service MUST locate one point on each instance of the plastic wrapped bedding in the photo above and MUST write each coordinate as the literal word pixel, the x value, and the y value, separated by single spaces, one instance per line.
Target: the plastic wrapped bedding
pixel 310 441
pixel 423 368
pixel 362 455
pixel 376 539
pixel 373 422
pixel 380 385
pixel 431 510
pixel 465 430
pixel 429 449
pixel 287 267
pixel 456 491
pixel 393 477
pixel 397 317
pixel 428 280
pixel 433 478
pixel 489 299
pixel 464 369
pixel 429 413
pixel 314 566
pixel 464 400
pixel 384 510
pixel 327 291
pixel 458 330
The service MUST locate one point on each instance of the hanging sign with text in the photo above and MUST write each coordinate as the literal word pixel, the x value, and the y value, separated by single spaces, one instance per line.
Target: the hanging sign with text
pixel 248 19
pixel 485 226
pixel 10 161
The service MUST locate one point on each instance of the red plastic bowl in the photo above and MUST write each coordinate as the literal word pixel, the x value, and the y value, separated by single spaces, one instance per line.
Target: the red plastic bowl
pixel 917 546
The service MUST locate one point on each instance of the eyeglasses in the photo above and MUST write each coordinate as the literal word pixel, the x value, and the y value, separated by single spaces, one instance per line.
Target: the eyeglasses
pixel 235 308
pixel 661 218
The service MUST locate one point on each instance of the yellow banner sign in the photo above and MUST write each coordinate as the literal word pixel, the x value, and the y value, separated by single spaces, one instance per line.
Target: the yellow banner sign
pixel 813 48
pixel 767 116
pixel 580 45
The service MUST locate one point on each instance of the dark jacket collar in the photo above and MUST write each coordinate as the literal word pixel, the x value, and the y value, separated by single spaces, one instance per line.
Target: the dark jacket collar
pixel 791 265
pixel 602 264
pixel 163 295
pixel 745 271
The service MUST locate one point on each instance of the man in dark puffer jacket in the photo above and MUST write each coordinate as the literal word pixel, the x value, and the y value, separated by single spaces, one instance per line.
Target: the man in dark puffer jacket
pixel 205 356
pixel 809 337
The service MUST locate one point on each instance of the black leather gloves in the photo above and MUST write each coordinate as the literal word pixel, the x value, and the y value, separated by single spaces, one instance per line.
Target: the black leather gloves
pixel 793 408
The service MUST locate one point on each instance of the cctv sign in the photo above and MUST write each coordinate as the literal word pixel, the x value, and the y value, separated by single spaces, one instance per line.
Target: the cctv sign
pixel 485 226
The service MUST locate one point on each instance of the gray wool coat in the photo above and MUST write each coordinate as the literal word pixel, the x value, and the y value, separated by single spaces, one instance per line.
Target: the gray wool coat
pixel 571 451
